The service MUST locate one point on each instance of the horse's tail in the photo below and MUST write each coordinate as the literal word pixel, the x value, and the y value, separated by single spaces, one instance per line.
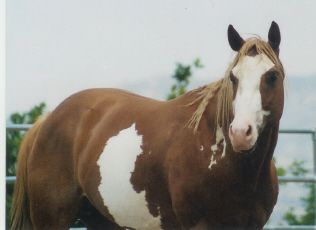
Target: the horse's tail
pixel 20 213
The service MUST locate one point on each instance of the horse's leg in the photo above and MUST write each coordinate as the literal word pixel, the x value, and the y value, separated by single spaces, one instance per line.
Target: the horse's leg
pixel 54 202
pixel 93 219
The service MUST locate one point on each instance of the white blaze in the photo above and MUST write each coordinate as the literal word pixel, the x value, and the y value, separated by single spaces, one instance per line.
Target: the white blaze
pixel 247 104
pixel 116 163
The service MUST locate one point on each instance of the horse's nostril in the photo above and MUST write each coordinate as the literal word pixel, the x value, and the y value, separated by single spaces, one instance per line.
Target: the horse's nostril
pixel 249 131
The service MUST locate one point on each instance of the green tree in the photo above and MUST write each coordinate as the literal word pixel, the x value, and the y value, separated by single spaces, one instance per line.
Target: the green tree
pixel 13 141
pixel 182 75
pixel 297 168
pixel 13 137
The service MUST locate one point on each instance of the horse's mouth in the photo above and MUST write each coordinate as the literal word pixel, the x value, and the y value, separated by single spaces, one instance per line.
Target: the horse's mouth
pixel 246 150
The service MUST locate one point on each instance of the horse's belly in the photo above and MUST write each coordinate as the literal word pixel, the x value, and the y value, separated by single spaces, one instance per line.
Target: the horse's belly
pixel 116 163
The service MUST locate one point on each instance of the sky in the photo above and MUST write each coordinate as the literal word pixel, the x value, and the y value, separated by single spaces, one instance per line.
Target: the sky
pixel 2 112
pixel 56 48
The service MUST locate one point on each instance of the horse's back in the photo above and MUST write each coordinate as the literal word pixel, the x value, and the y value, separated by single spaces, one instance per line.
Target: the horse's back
pixel 71 136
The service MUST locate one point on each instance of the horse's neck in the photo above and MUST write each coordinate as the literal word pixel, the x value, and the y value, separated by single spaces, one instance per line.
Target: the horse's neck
pixel 259 162
pixel 255 165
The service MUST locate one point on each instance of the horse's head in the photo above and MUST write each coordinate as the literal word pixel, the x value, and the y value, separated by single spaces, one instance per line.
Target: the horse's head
pixel 257 81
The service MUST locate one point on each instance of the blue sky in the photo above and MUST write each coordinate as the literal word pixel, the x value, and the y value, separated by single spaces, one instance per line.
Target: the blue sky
pixel 55 48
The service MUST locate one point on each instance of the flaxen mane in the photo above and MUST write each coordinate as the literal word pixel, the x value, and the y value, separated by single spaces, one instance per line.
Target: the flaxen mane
pixel 225 89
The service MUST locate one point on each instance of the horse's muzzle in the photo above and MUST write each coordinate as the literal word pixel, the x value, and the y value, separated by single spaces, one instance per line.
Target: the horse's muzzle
pixel 241 137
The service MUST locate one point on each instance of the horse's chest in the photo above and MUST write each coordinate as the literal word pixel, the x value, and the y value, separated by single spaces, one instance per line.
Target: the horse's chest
pixel 242 206
pixel 116 164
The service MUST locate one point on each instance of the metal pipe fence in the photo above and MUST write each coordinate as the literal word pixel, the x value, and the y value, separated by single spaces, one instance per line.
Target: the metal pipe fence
pixel 295 179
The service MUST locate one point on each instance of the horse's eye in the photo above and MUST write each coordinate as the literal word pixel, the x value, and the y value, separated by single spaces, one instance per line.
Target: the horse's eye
pixel 271 79
pixel 233 79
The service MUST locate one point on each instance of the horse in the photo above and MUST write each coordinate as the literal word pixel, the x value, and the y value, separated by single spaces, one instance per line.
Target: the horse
pixel 117 160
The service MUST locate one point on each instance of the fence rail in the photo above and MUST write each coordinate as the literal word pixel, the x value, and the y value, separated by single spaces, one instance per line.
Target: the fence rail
pixel 295 179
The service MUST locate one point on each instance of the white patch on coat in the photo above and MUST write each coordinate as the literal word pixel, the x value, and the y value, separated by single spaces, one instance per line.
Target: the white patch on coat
pixel 219 138
pixel 213 162
pixel 116 163
pixel 247 105
pixel 224 148
pixel 201 148
pixel 214 148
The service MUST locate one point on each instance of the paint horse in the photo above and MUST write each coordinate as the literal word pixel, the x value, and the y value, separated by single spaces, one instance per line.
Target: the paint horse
pixel 118 160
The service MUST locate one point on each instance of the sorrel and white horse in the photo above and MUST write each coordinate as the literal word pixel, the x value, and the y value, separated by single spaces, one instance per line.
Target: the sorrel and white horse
pixel 201 161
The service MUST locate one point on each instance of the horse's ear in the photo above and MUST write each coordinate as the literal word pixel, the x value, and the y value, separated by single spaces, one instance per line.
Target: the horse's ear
pixel 234 39
pixel 274 37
